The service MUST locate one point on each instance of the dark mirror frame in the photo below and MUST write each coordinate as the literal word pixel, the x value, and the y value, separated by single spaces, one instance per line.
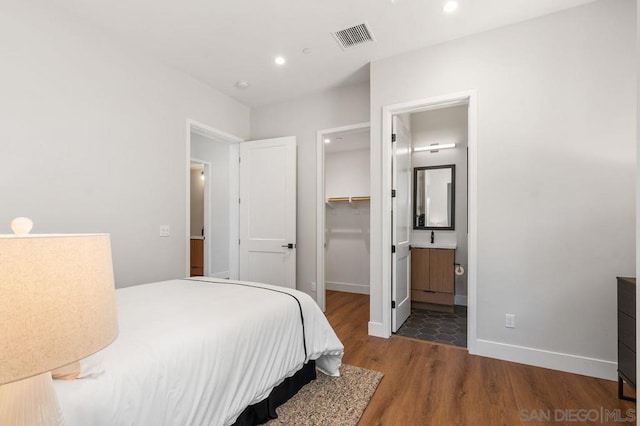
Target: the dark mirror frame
pixel 453 198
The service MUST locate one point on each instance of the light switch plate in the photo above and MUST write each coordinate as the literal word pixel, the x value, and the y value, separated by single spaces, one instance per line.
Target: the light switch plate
pixel 510 320
pixel 165 231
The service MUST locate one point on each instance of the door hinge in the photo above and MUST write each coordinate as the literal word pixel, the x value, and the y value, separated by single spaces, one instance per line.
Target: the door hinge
pixel 393 249
pixel 409 246
pixel 239 201
pixel 393 137
pixel 393 193
pixel 393 304
pixel 238 241
pixel 239 159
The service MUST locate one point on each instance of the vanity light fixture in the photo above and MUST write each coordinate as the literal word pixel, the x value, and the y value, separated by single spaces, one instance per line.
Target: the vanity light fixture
pixel 434 147
pixel 450 6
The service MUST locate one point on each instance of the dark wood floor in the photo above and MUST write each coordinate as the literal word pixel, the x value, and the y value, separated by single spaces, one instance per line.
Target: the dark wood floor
pixel 433 384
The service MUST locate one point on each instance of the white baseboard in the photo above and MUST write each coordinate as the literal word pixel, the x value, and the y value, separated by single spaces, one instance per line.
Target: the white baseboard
pixel 547 359
pixel 223 274
pixel 377 330
pixel 347 287
pixel 460 300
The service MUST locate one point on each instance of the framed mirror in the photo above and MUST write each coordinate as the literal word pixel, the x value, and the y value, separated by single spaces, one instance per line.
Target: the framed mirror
pixel 434 198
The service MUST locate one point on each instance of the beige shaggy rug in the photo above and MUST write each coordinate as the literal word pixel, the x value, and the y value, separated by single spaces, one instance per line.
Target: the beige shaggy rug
pixel 330 401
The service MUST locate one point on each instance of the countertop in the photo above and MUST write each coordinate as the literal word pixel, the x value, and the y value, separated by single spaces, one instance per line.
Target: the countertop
pixel 436 245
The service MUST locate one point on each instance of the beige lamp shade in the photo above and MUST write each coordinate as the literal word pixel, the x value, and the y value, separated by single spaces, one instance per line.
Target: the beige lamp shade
pixel 57 301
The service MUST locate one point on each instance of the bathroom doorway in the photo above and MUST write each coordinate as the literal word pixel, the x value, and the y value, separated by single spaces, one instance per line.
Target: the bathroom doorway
pixel 434 272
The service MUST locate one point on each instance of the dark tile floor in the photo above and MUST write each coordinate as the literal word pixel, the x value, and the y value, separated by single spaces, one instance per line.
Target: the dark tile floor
pixel 439 327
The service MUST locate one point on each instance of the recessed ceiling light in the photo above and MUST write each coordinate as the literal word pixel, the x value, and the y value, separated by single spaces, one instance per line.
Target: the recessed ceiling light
pixel 327 140
pixel 280 60
pixel 242 84
pixel 450 6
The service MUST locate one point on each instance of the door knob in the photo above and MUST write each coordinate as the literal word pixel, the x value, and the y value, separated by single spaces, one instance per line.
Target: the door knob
pixel 289 246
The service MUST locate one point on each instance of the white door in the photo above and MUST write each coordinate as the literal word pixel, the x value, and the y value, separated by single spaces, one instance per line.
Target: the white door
pixel 401 223
pixel 268 211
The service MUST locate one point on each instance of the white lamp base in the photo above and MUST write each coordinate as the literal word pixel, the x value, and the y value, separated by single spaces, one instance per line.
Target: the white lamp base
pixel 30 402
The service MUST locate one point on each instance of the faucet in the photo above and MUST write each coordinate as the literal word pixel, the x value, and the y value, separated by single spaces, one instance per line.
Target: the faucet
pixel 432 237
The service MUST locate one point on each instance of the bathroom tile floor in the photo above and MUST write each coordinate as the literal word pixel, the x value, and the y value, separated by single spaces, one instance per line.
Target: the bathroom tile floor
pixel 439 327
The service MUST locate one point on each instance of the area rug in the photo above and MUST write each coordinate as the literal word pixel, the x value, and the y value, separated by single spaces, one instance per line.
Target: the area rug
pixel 331 401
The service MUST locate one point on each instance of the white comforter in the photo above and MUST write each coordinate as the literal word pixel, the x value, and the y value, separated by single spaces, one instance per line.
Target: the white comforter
pixel 197 353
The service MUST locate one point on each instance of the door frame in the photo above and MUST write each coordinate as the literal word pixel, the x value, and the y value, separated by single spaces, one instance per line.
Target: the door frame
pixel 320 205
pixel 234 192
pixel 395 255
pixel 388 111
pixel 207 214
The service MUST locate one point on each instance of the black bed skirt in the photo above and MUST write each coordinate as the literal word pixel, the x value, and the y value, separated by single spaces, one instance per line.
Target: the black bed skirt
pixel 265 410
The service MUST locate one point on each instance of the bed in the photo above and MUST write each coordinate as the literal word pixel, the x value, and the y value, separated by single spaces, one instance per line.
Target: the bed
pixel 199 351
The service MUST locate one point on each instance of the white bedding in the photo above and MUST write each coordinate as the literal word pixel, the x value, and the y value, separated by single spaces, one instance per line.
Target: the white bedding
pixel 198 353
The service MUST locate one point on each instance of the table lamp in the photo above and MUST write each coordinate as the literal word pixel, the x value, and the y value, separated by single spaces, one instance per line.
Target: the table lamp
pixel 57 306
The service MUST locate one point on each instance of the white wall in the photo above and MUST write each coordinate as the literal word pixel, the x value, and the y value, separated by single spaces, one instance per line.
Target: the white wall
pixel 556 165
pixel 217 153
pixel 302 118
pixel 347 225
pixel 444 126
pixel 93 139
pixel 346 173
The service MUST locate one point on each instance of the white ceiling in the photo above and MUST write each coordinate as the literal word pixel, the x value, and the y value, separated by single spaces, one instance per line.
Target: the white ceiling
pixel 347 141
pixel 222 41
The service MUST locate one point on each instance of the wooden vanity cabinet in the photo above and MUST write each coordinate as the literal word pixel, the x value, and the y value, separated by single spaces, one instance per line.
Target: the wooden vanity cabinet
pixel 432 279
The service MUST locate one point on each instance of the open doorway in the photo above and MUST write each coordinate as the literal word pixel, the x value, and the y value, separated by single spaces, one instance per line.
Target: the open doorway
pixel 383 301
pixel 199 217
pixel 437 140
pixel 213 157
pixel 343 233
pixel 213 177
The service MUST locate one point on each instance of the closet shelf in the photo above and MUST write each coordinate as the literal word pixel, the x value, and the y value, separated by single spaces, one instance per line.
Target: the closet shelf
pixel 353 201
pixel 348 199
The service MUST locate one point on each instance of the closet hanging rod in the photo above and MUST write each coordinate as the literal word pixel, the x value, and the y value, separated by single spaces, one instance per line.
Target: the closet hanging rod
pixel 338 200
pixel 348 199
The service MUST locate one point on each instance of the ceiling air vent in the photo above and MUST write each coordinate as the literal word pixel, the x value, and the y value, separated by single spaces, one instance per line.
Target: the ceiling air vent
pixel 354 36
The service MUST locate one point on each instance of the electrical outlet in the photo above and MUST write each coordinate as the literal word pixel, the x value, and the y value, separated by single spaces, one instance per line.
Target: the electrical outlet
pixel 510 320
pixel 165 231
pixel 313 286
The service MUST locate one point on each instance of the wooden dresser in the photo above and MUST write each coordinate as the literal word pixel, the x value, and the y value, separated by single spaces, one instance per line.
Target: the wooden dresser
pixel 626 335
pixel 432 279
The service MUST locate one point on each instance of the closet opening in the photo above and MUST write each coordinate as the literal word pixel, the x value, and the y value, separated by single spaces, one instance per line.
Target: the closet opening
pixel 430 214
pixel 343 235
